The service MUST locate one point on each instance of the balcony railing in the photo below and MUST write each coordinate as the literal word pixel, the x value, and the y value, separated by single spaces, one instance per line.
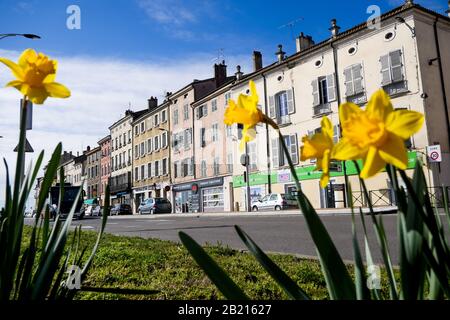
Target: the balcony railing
pixel 284 120
pixel 322 109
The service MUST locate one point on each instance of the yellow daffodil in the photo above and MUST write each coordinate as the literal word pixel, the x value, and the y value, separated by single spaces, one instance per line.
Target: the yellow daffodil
pixel 377 134
pixel 245 112
pixel 320 147
pixel 35 77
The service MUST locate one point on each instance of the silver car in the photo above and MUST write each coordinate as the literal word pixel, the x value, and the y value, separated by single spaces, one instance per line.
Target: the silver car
pixel 275 201
pixel 155 205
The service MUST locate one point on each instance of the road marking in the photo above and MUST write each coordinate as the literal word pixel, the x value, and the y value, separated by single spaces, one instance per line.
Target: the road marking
pixel 87 227
pixel 131 226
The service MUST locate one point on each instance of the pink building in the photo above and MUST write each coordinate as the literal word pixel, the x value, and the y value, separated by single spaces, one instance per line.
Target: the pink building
pixel 105 165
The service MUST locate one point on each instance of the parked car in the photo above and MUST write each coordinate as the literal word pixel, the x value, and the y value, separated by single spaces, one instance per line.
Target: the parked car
pixel 155 205
pixel 275 201
pixel 97 211
pixel 88 210
pixel 121 209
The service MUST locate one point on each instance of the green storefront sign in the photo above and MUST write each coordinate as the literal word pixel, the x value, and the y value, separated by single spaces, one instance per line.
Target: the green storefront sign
pixel 308 173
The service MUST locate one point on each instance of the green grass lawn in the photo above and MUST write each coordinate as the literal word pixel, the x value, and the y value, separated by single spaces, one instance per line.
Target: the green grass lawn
pixel 150 264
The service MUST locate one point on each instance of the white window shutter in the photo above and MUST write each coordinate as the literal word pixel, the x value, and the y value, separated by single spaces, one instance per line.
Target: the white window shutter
pixel 294 149
pixel 272 111
pixel 348 82
pixel 291 101
pixel 358 78
pixel 396 65
pixel 316 95
pixel 275 153
pixel 385 70
pixel 331 87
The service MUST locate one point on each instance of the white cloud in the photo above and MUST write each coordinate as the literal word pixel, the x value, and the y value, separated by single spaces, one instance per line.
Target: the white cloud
pixel 101 92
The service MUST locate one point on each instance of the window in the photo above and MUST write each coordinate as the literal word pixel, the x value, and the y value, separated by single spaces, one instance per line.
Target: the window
pixel 391 68
pixel 185 167
pixel 202 111
pixel 203 137
pixel 142 126
pixel 353 80
pixel 281 106
pixel 164 143
pixel 229 130
pixel 156 168
pixel 214 105
pixel 129 136
pixel 136 152
pixel 253 156
pixel 186 112
pixel 203 169
pixel 129 156
pixel 136 174
pixel 163 116
pixel 216 166
pixel 176 169
pixel 142 172
pixel 187 139
pixel 156 143
pixel 229 163
pixel 213 198
pixel 120 160
pixel 149 146
pixel 142 149
pixel 156 120
pixel 175 117
pixel 164 167
pixel 136 133
pixel 279 159
pixel 215 132
pixel 227 98
pixel 336 133
pixel 324 92
pixel 149 170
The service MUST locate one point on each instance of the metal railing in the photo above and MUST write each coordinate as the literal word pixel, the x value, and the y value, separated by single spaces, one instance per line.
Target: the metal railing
pixel 322 109
pixel 436 195
pixel 382 197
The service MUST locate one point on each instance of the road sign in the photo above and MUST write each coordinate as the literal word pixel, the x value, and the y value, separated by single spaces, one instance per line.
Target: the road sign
pixel 434 153
pixel 28 147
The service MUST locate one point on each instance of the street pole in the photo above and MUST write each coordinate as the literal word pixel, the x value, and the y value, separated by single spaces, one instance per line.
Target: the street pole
pixel 247 172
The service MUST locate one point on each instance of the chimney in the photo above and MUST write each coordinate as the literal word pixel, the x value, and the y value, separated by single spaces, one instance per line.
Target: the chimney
pixel 304 42
pixel 220 73
pixel 408 3
pixel 78 153
pixel 257 61
pixel 152 103
pixel 280 53
pixel 448 10
pixel 238 73
pixel 334 28
pixel 88 148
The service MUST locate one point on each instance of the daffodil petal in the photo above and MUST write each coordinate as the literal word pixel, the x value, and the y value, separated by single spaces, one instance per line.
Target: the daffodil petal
pixel 28 54
pixel 254 93
pixel 393 151
pixel 347 109
pixel 326 162
pixel 380 105
pixel 344 150
pixel 15 84
pixel 404 123
pixel 57 90
pixel 36 95
pixel 15 68
pixel 372 164
pixel 327 127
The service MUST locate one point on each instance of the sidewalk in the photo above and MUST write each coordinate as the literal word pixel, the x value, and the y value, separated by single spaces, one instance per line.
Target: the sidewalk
pixel 344 211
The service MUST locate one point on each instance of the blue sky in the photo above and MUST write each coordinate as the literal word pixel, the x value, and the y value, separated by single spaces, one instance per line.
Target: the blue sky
pixel 157 29
pixel 129 50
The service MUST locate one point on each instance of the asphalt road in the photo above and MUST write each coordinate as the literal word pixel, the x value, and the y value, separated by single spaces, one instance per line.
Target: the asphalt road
pixel 273 233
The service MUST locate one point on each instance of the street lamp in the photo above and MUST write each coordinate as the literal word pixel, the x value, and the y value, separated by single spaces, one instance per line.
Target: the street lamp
pixel 25 35
pixel 401 20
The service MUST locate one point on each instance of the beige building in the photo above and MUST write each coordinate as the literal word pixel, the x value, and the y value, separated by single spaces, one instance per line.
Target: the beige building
pixel 405 57
pixel 214 157
pixel 122 158
pixel 151 165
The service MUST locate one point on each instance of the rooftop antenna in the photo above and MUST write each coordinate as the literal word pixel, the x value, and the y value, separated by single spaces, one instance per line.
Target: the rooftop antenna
pixel 220 55
pixel 291 25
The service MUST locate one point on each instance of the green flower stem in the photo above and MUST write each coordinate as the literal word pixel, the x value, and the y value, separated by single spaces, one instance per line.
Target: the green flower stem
pixel 379 230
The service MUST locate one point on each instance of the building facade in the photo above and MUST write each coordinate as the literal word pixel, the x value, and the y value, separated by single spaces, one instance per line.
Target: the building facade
pixel 214 167
pixel 93 159
pixel 122 158
pixel 105 166
pixel 349 66
pixel 151 164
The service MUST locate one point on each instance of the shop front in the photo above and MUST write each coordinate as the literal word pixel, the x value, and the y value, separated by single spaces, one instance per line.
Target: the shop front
pixel 155 190
pixel 199 196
